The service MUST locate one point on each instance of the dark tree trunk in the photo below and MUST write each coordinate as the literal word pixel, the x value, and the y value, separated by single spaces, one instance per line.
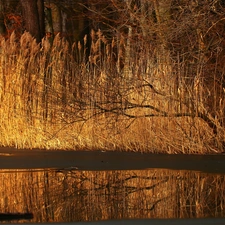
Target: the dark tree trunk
pixel 41 16
pixel 32 18
pixel 2 25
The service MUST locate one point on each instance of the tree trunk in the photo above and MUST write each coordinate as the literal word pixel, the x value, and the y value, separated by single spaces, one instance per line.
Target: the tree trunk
pixel 56 18
pixel 2 25
pixel 41 17
pixel 31 18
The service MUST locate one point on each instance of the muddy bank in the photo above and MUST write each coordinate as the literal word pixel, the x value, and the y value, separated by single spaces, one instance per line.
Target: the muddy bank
pixel 11 158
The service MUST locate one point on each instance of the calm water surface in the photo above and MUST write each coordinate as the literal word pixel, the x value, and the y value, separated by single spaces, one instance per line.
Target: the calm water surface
pixel 73 195
pixel 65 196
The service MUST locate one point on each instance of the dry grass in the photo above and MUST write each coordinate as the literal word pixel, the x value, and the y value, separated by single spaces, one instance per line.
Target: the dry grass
pixel 53 97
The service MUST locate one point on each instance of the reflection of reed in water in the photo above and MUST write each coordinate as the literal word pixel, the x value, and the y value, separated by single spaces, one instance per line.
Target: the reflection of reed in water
pixel 87 196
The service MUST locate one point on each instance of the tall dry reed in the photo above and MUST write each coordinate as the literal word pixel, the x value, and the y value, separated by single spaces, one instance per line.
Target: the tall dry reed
pixel 58 97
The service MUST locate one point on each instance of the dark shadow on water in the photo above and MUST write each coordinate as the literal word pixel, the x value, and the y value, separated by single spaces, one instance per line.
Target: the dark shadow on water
pixel 96 160
pixel 15 216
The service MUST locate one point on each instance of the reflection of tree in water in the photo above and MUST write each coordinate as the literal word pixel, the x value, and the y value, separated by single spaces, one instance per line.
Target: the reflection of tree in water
pixel 69 195
pixel 116 189
pixel 122 194
pixel 104 195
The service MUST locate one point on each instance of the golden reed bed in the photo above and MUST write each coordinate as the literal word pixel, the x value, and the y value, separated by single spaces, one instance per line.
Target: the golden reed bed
pixel 57 97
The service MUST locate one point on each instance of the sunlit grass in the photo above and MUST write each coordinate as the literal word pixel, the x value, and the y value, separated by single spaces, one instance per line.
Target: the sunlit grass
pixel 53 97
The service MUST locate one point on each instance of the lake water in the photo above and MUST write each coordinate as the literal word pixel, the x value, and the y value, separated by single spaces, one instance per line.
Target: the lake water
pixel 79 192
